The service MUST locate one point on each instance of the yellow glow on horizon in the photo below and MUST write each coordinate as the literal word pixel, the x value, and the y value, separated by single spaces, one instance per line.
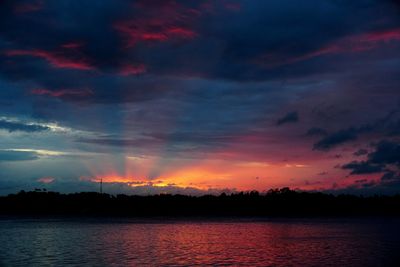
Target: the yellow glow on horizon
pixel 212 173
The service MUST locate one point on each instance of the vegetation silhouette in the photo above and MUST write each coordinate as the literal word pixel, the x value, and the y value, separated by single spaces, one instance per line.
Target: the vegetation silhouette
pixel 276 202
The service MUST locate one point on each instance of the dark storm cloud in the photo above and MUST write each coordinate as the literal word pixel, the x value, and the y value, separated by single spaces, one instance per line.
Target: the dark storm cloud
pixel 362 167
pixel 127 37
pixel 336 139
pixel 383 126
pixel 8 155
pixel 389 184
pixel 112 52
pixel 386 152
pixel 21 127
pixel 290 117
pixel 385 158
pixel 198 75
pixel 390 176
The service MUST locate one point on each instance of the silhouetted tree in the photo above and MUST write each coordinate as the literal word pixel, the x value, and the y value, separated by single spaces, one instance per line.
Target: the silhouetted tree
pixel 276 202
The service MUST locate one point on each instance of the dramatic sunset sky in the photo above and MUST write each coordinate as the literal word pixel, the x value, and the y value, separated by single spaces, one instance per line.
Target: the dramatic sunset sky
pixel 197 96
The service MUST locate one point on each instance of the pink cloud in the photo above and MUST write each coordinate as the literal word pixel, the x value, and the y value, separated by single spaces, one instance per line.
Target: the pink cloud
pixel 63 93
pixel 46 180
pixel 72 45
pixel 56 59
pixel 181 32
pixel 152 31
pixel 133 69
pixel 384 36
pixel 168 22
pixel 351 44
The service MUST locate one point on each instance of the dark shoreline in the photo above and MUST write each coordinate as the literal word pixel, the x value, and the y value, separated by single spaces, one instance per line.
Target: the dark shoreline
pixel 282 203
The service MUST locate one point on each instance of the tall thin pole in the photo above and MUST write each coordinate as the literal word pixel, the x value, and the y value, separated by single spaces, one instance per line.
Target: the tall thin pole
pixel 101 186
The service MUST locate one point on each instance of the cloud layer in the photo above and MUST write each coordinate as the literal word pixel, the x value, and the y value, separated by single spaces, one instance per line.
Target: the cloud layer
pixel 207 94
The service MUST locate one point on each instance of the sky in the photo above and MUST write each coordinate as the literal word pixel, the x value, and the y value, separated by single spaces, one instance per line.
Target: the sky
pixel 200 96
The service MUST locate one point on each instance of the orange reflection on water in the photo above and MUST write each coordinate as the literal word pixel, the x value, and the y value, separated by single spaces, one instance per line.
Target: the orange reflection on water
pixel 209 243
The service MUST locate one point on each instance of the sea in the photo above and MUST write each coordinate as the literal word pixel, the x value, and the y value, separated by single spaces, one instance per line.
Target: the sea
pixel 200 242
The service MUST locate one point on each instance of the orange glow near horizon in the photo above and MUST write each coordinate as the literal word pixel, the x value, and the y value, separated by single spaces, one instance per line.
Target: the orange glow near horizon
pixel 224 174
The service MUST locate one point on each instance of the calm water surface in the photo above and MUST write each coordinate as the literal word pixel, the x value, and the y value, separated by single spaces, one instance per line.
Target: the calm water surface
pixel 316 242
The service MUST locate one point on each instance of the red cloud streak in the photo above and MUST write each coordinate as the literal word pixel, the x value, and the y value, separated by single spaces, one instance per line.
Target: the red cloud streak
pixel 58 60
pixel 152 31
pixel 133 69
pixel 356 43
pixel 63 93
pixel 170 21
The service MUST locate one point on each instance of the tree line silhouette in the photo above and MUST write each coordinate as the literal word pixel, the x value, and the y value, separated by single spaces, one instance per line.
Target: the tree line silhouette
pixel 276 202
